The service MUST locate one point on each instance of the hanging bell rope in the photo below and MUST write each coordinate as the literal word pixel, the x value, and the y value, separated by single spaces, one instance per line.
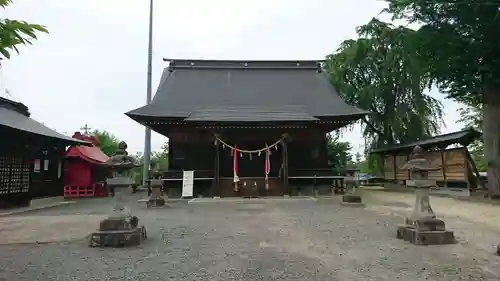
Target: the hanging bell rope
pixel 275 144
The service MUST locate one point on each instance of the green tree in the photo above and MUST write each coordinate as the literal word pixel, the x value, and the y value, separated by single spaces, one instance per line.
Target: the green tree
pixel 472 117
pixel 159 160
pixel 339 153
pixel 458 44
pixel 358 157
pixel 381 73
pixel 107 141
pixel 15 32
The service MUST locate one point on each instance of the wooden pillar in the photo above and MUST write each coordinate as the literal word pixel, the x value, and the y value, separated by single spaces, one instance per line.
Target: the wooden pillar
pixel 443 163
pixel 285 166
pixel 395 168
pixel 468 159
pixel 215 184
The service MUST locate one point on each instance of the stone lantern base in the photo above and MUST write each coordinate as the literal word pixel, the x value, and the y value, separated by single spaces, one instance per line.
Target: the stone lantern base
pixel 352 199
pixel 425 231
pixel 156 199
pixel 119 231
pixel 155 202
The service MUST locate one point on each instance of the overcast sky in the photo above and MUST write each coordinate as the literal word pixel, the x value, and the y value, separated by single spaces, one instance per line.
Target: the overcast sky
pixel 91 69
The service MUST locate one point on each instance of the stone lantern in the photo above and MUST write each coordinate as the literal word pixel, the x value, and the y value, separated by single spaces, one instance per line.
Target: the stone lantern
pixel 422 227
pixel 121 165
pixel 351 181
pixel 156 198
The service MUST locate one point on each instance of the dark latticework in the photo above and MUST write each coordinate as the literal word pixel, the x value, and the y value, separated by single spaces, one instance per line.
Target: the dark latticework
pixel 14 175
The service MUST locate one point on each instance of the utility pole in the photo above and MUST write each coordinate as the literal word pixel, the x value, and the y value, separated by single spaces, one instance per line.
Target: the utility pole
pixel 147 137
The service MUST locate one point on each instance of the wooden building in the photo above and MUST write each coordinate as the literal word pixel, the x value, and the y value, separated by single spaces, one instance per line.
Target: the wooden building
pixel 213 110
pixel 30 156
pixel 458 169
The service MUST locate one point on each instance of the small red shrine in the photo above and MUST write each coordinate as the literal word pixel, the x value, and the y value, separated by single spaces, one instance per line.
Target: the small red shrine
pixel 85 169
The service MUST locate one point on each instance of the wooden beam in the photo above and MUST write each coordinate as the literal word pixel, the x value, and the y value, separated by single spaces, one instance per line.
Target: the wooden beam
pixel 473 164
pixel 443 168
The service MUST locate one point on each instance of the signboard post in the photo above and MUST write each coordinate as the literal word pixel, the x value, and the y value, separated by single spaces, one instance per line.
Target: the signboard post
pixel 187 183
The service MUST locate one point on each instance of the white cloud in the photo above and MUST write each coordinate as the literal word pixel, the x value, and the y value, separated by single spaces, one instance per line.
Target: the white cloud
pixel 92 67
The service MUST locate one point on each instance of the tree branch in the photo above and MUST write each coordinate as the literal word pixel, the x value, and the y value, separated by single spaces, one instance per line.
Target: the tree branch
pixel 372 127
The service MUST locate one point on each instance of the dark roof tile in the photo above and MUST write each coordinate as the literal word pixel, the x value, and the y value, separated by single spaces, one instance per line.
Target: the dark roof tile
pixel 259 90
pixel 467 135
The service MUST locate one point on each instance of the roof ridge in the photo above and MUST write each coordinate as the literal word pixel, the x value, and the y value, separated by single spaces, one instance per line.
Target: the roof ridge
pixel 243 64
pixel 14 105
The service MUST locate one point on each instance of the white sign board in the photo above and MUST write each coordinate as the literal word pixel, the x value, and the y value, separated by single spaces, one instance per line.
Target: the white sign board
pixel 187 183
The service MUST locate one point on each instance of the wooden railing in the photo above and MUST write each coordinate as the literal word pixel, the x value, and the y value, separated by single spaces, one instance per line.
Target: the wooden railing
pixel 313 173
pixel 198 175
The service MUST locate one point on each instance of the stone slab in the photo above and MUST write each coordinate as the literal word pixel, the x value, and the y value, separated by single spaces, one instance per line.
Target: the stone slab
pixel 414 236
pixel 118 238
pixel 353 204
pixel 351 198
pixel 34 207
pixel 155 202
pixel 46 229
pixel 246 200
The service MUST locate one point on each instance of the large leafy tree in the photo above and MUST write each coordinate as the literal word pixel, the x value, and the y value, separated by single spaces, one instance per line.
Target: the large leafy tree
pixel 15 32
pixel 108 142
pixel 380 72
pixel 459 45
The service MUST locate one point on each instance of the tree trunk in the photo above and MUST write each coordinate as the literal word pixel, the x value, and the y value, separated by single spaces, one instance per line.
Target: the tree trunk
pixel 491 137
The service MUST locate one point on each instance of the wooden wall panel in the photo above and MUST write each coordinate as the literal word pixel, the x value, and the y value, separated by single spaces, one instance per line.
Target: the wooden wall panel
pixel 455 167
pixel 455 164
pixel 389 167
pixel 400 161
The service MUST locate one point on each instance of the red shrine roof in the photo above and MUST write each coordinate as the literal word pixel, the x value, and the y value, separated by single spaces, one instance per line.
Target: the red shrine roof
pixel 92 154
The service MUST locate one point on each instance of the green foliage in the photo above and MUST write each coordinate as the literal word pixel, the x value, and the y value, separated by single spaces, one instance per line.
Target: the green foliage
pixel 339 153
pixel 459 46
pixel 458 42
pixel 381 73
pixel 15 32
pixel 472 117
pixel 159 160
pixel 107 141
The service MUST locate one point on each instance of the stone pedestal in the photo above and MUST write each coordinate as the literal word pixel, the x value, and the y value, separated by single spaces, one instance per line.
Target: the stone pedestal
pixel 119 229
pixel 118 232
pixel 422 227
pixel 418 237
pixel 156 199
pixel 353 197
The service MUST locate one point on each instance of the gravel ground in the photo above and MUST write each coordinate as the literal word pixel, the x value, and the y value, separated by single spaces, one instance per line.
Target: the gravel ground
pixel 261 240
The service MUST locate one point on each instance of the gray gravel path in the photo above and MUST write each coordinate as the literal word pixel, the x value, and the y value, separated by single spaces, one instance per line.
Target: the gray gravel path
pixel 261 240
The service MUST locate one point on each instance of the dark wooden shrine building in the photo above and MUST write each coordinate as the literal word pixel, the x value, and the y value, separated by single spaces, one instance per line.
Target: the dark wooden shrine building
pixel 211 110
pixel 30 156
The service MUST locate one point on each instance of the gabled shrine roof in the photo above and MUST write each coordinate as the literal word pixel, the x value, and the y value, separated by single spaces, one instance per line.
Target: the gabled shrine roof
pixel 460 137
pixel 91 154
pixel 15 115
pixel 245 91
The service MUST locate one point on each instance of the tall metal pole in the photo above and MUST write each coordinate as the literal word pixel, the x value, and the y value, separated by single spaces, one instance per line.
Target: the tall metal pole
pixel 147 138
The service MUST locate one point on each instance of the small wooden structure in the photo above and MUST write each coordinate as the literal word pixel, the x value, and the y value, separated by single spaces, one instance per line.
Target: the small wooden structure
pixel 456 167
pixel 246 128
pixel 85 169
pixel 30 156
